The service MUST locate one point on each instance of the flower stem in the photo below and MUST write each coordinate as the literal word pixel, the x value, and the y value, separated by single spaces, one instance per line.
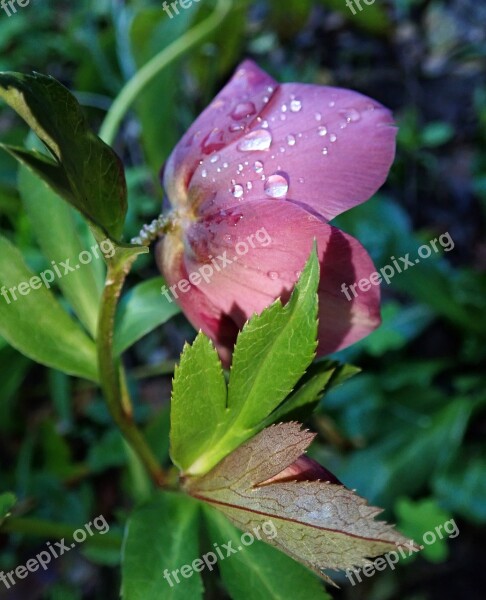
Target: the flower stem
pixel 111 374
pixel 179 47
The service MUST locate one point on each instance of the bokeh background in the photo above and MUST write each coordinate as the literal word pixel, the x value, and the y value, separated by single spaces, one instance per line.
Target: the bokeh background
pixel 408 432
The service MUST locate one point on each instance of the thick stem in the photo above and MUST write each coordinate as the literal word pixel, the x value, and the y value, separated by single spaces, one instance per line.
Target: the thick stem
pixel 182 45
pixel 112 382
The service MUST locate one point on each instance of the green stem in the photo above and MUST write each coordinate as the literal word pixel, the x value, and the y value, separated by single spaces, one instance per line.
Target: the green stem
pixel 179 47
pixel 111 376
pixel 58 531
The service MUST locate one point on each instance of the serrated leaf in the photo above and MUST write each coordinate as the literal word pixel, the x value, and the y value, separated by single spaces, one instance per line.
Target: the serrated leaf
pixel 93 180
pixel 7 502
pixel 259 571
pixel 271 354
pixel 36 324
pixel 167 527
pixel 198 402
pixel 323 525
pixel 140 311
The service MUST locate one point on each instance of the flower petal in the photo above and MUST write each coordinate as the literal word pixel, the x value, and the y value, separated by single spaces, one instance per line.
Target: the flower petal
pixel 326 148
pixel 245 279
pixel 225 120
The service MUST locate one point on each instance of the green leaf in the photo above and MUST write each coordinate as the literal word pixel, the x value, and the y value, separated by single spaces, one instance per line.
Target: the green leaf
pixel 198 402
pixel 36 324
pixel 321 524
pixel 7 502
pixel 161 535
pixel 55 228
pixel 372 17
pixel 259 571
pixel 140 311
pixel 265 369
pixel 94 180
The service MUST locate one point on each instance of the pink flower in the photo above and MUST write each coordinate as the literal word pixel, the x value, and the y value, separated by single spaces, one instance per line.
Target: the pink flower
pixel 283 160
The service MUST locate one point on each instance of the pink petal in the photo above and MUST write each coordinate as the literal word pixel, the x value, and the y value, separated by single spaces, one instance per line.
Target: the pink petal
pixel 334 148
pixel 303 469
pixel 222 122
pixel 270 270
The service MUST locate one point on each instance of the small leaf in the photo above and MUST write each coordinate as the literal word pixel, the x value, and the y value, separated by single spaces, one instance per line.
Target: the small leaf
pixel 161 536
pixel 89 174
pixel 140 311
pixel 7 502
pixel 259 571
pixel 198 402
pixel 321 524
pixel 35 323
pixel 266 367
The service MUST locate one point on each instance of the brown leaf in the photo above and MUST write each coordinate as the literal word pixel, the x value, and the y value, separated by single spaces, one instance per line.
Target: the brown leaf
pixel 320 523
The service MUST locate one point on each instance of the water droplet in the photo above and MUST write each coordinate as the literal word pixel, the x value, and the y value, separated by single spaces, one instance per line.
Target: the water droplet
pixel 249 186
pixel 325 151
pixel 322 131
pixel 332 104
pixel 301 180
pixel 265 125
pixel 298 274
pixel 351 115
pixel 265 99
pixel 260 139
pixel 277 186
pixel 225 165
pixel 243 110
pixel 218 169
pixel 291 140
pixel 258 167
pixel 318 116
pixel 214 159
pixel 333 137
pixel 296 106
pixel 204 173
pixel 284 108
pixel 273 275
pixel 283 117
pixel 282 149
pixel 227 237
pixel 213 141
pixel 238 191
pixel 233 128
pixel 270 89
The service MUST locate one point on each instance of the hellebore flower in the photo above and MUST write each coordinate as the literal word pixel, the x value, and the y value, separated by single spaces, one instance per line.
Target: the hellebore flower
pixel 283 160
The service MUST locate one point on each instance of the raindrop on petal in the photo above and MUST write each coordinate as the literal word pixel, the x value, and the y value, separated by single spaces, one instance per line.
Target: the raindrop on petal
pixel 296 106
pixel 325 151
pixel 273 275
pixel 258 167
pixel 261 139
pixel 243 110
pixel 291 140
pixel 333 137
pixel 214 159
pixel 276 186
pixel 322 131
pixel 238 191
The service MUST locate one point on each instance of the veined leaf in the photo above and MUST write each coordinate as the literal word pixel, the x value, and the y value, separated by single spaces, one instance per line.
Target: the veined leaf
pixel 34 322
pixel 259 571
pixel 319 523
pixel 85 171
pixel 167 526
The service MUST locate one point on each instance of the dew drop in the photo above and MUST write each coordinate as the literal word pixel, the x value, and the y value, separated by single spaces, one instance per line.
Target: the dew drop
pixel 260 139
pixel 332 104
pixel 333 137
pixel 284 108
pixel 214 159
pixel 225 165
pixel 296 106
pixel 213 141
pixel 265 125
pixel 249 186
pixel 238 191
pixel 277 186
pixel 243 110
pixel 204 173
pixel 351 115
pixel 291 140
pixel 318 116
pixel 322 131
pixel 273 275
pixel 301 180
pixel 258 167
pixel 234 128
pixel 325 151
